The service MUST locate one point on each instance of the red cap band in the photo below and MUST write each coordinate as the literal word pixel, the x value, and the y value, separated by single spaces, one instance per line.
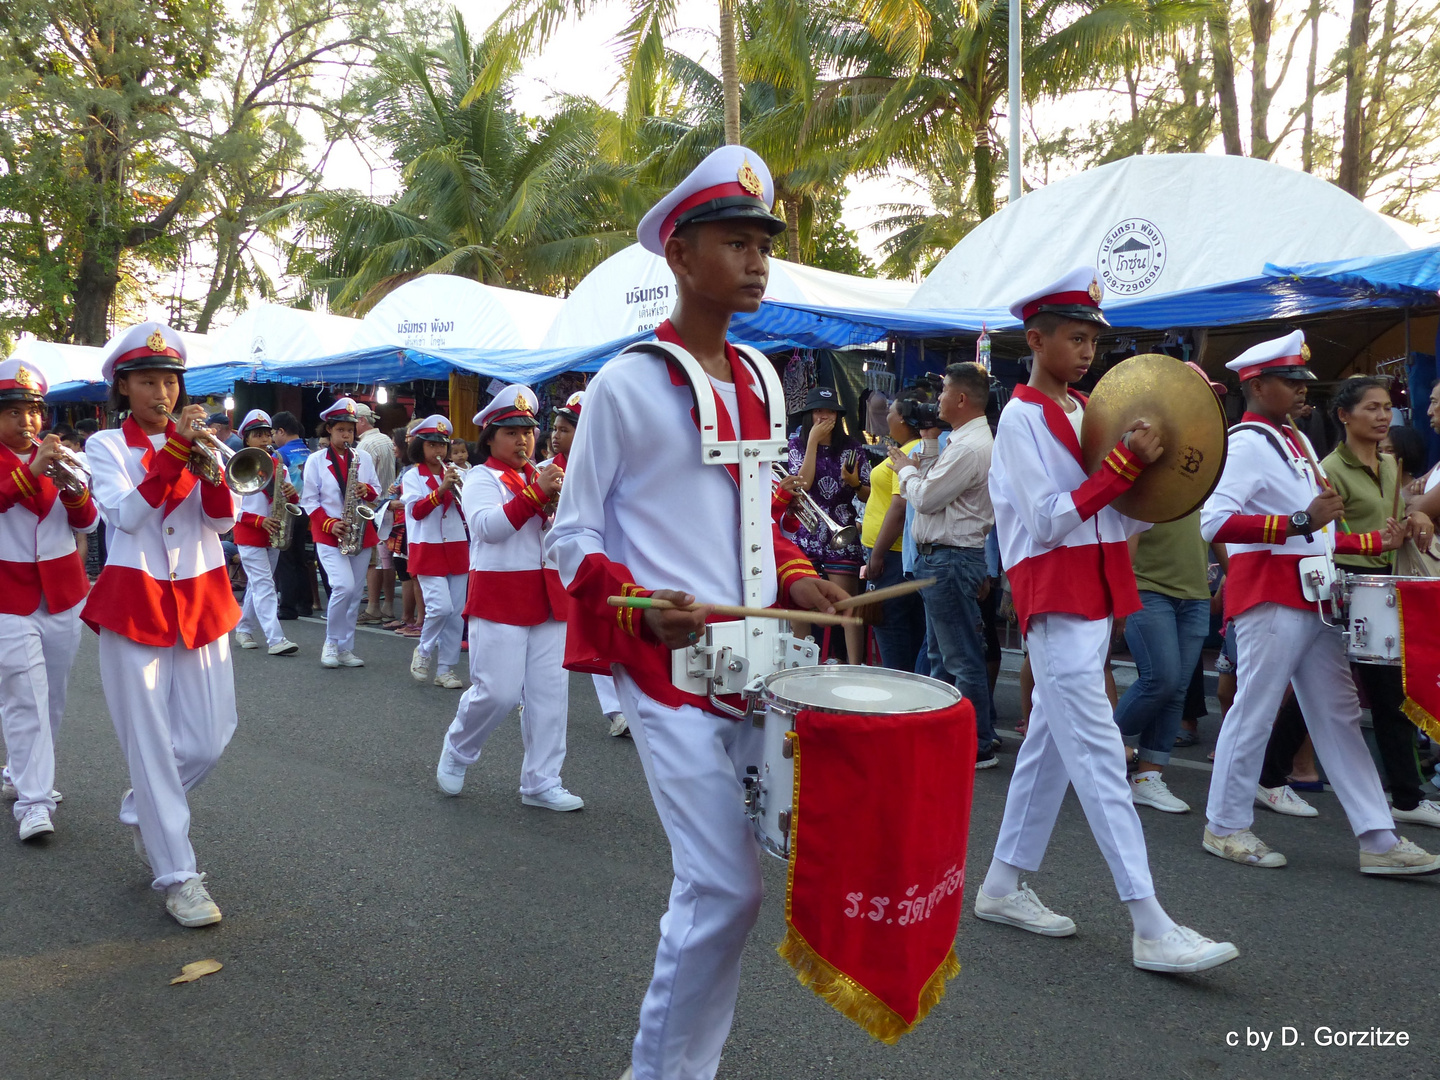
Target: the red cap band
pixel 719 191
pixel 1262 368
pixel 1071 299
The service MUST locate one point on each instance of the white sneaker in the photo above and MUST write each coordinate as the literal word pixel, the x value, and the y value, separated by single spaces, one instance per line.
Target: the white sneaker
pixel 9 794
pixel 1403 858
pixel 1179 950
pixel 1023 909
pixel 555 798
pixel 36 822
pixel 245 641
pixel 618 724
pixel 1243 847
pixel 1283 800
pixel 628 1074
pixel 140 848
pixel 284 647
pixel 349 659
pixel 190 903
pixel 1426 813
pixel 329 655
pixel 450 773
pixel 1147 789
pixel 449 680
pixel 419 666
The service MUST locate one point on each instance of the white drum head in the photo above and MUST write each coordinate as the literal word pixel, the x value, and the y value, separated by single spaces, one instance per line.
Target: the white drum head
pixel 838 688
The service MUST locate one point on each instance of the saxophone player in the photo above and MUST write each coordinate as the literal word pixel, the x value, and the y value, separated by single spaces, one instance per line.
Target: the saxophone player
pixel 257 527
pixel 327 480
pixel 42 581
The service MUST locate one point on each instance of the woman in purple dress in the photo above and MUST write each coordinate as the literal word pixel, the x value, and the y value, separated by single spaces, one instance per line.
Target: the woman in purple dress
pixel 834 468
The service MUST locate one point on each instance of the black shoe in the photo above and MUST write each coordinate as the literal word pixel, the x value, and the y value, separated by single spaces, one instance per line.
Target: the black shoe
pixel 987 760
pixel 286 616
pixel 308 613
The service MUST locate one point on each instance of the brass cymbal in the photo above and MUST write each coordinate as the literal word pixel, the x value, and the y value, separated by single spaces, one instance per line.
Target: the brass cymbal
pixel 1181 407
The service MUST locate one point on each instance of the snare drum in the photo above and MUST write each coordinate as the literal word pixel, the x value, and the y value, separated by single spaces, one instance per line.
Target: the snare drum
pixel 1372 618
pixel 831 688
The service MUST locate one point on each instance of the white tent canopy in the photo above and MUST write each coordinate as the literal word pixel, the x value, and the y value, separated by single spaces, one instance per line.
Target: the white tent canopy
pixel 1156 225
pixel 278 333
pixel 62 363
pixel 633 291
pixel 441 311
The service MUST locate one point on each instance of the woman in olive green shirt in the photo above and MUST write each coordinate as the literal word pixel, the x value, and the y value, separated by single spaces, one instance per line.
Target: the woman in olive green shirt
pixel 1367 480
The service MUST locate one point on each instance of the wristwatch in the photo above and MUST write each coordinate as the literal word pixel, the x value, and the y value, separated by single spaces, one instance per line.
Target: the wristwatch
pixel 1300 523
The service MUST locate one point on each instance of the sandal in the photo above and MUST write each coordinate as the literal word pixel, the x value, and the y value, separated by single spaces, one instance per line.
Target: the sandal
pixel 393 624
pixel 409 631
pixel 1186 738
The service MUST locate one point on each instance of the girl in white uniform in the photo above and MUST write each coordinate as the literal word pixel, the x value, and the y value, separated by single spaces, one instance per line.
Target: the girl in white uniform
pixel 516 609
pixel 439 556
pixel 42 581
pixel 257 554
pixel 162 607
pixel 327 471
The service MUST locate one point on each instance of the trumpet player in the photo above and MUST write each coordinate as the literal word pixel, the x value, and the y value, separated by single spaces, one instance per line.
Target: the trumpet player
pixel 256 530
pixel 439 553
pixel 326 479
pixel 162 606
pixel 43 502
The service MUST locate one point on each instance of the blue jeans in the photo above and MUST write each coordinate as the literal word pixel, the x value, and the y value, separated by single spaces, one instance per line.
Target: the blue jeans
pixel 901 632
pixel 957 636
pixel 1165 637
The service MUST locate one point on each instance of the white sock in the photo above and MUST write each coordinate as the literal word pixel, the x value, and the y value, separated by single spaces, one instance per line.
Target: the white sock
pixel 1150 920
pixel 1378 841
pixel 1001 880
pixel 1220 830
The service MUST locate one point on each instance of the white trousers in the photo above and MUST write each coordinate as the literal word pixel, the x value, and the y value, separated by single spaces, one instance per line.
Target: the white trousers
pixel 694 762
pixel 1275 646
pixel 346 575
pixel 510 666
pixel 444 618
pixel 174 713
pixel 259 606
pixel 36 653
pixel 1073 740
pixel 605 691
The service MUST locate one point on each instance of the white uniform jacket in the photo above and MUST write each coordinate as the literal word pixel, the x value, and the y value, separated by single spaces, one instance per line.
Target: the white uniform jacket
pixel 505 510
pixel 165 581
pixel 254 509
pixel 322 495
pixel 1266 479
pixel 434 525
pixel 642 512
pixel 38 556
pixel 1061 544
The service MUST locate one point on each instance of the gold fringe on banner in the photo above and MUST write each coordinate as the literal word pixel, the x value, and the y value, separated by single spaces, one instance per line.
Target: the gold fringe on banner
pixel 851 999
pixel 1417 714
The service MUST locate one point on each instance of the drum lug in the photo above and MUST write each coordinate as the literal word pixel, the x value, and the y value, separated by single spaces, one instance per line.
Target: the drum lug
pixel 783 820
pixel 788 750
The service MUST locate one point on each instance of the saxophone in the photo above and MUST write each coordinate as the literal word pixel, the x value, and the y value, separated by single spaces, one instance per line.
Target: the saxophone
pixel 280 522
pixel 355 513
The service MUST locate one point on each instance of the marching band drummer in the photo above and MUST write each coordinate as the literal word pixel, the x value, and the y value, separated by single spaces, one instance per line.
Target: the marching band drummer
pixel 258 555
pixel 567 419
pixel 42 581
pixel 1271 511
pixel 515 607
pixel 439 553
pixel 643 515
pixel 327 473
pixel 162 606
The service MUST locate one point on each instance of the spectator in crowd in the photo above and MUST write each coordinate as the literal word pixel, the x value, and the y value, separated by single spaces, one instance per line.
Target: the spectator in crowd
pixel 835 470
pixel 380 578
pixel 900 633
pixel 219 425
pixel 950 493
pixel 460 453
pixel 295 569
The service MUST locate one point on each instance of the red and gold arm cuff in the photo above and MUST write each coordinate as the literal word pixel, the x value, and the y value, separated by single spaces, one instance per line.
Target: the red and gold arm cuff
pixel 1253 529
pixel 631 620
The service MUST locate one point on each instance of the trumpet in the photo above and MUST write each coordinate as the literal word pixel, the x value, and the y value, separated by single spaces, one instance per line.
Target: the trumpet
pixel 243 471
pixel 459 484
pixel 65 470
pixel 813 517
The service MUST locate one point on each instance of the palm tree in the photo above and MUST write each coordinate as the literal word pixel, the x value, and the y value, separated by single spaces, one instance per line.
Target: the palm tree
pixel 487 192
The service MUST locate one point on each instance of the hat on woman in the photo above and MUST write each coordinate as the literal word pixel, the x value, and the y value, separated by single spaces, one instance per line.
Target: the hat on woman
pixel 513 406
pixel 147 346
pixel 434 428
pixel 822 397
pixel 341 412
pixel 21 380
pixel 255 420
pixel 571 409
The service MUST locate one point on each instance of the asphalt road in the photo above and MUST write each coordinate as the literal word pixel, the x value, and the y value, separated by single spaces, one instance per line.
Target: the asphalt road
pixel 374 928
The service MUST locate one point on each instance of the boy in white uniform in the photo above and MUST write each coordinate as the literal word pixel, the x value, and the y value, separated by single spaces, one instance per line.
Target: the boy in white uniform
pixel 1069 565
pixel 258 555
pixel 644 515
pixel 42 581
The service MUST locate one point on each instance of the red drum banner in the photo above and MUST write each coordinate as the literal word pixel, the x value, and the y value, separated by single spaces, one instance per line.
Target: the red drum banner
pixel 880 822
pixel 1420 651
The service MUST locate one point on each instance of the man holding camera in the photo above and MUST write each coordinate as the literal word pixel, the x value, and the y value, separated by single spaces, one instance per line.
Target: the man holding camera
pixel 950 493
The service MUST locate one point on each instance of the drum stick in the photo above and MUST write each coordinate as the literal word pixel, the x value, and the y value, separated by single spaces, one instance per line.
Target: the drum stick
pixel 876 596
pixel 817 617
pixel 1314 465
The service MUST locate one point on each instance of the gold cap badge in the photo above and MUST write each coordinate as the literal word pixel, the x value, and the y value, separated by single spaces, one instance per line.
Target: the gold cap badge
pixel 750 180
pixel 522 404
pixel 156 342
pixel 1305 352
pixel 23 378
pixel 1096 293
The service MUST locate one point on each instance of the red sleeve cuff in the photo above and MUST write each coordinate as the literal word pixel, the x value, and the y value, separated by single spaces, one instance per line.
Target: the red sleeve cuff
pixel 1253 529
pixel 1358 543
pixel 525 505
pixel 79 510
pixel 1117 473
